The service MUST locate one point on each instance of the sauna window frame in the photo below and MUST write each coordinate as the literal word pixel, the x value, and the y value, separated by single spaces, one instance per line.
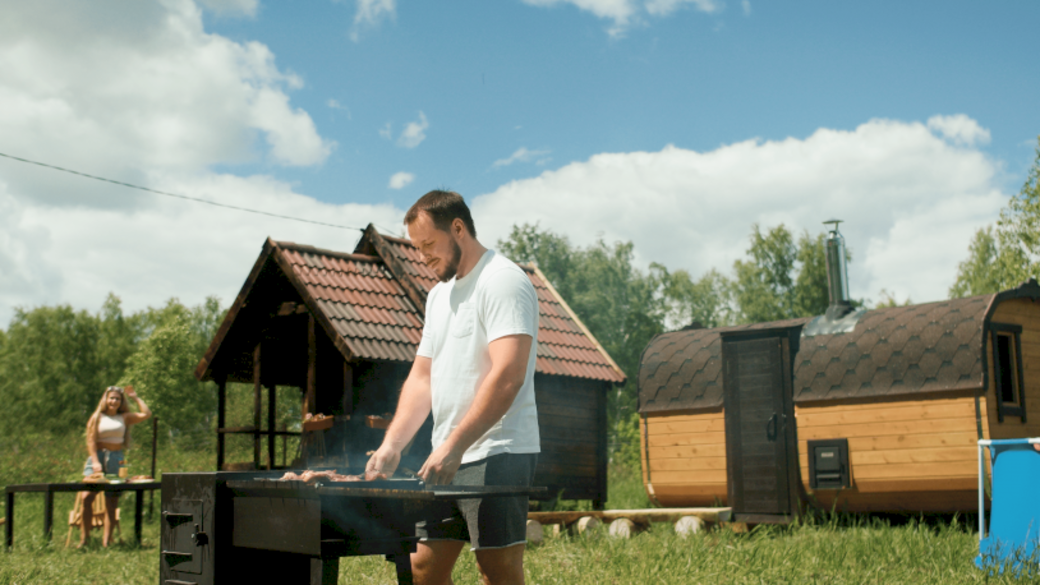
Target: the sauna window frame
pixel 1017 406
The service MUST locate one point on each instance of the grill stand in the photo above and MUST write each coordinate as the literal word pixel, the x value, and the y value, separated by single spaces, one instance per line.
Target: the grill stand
pixel 229 527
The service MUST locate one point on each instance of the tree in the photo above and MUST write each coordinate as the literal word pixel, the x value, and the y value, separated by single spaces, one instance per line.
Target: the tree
pixel 1003 258
pixel 49 370
pixel 162 369
pixel 780 279
pixel 55 361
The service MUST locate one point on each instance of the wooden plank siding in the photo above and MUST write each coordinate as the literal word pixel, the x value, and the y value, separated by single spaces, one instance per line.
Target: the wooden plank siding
pixel 684 463
pixel 1027 314
pixel 573 443
pixel 903 455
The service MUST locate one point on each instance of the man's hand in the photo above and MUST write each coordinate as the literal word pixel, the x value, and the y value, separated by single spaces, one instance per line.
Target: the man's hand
pixel 441 465
pixel 384 460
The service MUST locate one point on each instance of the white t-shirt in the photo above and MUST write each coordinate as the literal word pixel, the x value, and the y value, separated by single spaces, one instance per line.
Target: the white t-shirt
pixel 463 315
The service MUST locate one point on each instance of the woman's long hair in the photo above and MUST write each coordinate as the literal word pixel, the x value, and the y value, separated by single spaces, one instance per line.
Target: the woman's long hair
pixel 124 406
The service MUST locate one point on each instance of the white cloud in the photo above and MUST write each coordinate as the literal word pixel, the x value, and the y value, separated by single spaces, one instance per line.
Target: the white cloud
pixel 387 131
pixel 414 132
pixel 165 247
pixel 370 13
pixel 911 202
pixel 145 88
pixel 959 129
pixel 522 154
pixel 666 7
pixel 624 13
pixel 146 96
pixel 745 5
pixel 401 180
pixel 232 7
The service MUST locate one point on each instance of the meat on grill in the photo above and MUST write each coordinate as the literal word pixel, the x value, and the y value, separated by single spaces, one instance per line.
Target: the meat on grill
pixel 330 475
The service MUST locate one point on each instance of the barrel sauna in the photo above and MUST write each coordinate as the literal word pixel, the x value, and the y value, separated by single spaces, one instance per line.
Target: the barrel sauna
pixel 880 409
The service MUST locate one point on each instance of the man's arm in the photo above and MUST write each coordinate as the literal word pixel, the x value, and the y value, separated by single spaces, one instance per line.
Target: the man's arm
pixel 412 409
pixel 509 356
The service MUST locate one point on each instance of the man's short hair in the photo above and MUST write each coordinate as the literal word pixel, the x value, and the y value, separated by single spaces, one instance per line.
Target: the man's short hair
pixel 442 207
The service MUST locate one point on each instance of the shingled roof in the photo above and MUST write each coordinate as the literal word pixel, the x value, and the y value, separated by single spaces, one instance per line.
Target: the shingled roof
pixel 372 303
pixel 931 347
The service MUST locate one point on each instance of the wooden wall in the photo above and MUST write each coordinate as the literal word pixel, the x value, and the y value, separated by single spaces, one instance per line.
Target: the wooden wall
pixel 1026 313
pixel 572 419
pixel 684 463
pixel 917 455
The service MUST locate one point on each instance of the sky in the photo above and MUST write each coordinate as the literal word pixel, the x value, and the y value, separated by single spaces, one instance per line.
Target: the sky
pixel 673 124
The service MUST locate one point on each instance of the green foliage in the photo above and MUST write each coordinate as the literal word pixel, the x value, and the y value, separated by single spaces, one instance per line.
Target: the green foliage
pixel 781 279
pixel 50 377
pixel 56 362
pixel 1004 257
pixel 162 369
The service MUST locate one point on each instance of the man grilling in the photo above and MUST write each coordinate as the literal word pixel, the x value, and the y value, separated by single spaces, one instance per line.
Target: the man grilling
pixel 474 370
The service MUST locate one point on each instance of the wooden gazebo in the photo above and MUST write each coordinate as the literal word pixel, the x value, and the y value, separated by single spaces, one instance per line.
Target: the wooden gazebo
pixel 343 328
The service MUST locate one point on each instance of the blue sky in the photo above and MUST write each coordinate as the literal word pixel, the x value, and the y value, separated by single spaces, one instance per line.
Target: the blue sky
pixel 493 77
pixel 674 124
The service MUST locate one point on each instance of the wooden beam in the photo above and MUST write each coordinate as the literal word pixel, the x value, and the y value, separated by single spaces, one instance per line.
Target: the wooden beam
pixel 310 392
pixel 348 388
pixel 256 406
pixel 221 420
pixel 272 407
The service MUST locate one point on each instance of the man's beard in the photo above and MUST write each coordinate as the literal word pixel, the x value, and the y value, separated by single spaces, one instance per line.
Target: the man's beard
pixel 452 265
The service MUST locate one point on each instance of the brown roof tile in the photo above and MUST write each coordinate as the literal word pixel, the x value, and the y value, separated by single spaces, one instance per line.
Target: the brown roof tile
pixel 371 311
pixel 893 351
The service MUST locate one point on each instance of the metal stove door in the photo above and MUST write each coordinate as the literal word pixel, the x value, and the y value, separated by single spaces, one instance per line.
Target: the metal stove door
pixel 183 538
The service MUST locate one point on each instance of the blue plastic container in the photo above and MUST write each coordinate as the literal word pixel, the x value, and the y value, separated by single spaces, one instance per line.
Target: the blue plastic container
pixel 1014 526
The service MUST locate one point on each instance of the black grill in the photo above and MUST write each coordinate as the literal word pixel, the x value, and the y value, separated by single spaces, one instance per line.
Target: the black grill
pixel 247 527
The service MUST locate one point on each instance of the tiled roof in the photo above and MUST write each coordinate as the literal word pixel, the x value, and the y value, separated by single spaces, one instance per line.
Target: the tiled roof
pixel 930 347
pixel 365 304
pixel 565 347
pixel 683 369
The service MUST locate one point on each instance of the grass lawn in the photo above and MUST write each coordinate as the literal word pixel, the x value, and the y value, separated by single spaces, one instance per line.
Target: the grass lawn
pixel 826 549
pixel 814 552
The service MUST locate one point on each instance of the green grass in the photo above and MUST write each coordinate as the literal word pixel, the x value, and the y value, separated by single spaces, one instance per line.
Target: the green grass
pixel 827 548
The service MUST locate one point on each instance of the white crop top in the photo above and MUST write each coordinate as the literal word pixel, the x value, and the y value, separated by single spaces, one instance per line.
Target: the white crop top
pixel 111 429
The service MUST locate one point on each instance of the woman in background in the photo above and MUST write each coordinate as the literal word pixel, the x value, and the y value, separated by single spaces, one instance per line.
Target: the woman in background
pixel 107 438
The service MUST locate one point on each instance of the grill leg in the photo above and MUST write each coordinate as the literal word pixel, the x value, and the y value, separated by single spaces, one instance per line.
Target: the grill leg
pixel 403 562
pixel 325 571
pixel 9 526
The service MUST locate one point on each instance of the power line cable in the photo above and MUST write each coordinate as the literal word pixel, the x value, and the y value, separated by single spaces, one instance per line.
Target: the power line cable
pixel 196 199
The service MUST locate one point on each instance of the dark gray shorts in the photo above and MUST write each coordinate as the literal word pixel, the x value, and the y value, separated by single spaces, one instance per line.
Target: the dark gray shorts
pixel 487 522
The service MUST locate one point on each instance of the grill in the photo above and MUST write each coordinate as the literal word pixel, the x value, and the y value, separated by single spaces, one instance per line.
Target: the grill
pixel 246 527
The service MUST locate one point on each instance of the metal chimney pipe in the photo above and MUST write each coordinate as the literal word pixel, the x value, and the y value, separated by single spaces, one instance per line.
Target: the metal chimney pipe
pixel 837 273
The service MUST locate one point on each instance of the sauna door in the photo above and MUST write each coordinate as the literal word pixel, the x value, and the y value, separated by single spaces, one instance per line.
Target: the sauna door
pixel 761 448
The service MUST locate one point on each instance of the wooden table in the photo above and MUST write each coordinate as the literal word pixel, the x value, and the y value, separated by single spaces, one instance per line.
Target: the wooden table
pixel 49 489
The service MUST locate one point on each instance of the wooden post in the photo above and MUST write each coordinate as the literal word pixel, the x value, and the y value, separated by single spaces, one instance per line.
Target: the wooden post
pixel 221 420
pixel 348 388
pixel 256 407
pixel 599 502
pixel 155 439
pixel 272 406
pixel 312 370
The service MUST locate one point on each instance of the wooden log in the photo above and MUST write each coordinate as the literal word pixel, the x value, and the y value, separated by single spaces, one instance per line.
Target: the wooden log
pixel 535 534
pixel 688 525
pixel 622 528
pixel 638 516
pixel 589 526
